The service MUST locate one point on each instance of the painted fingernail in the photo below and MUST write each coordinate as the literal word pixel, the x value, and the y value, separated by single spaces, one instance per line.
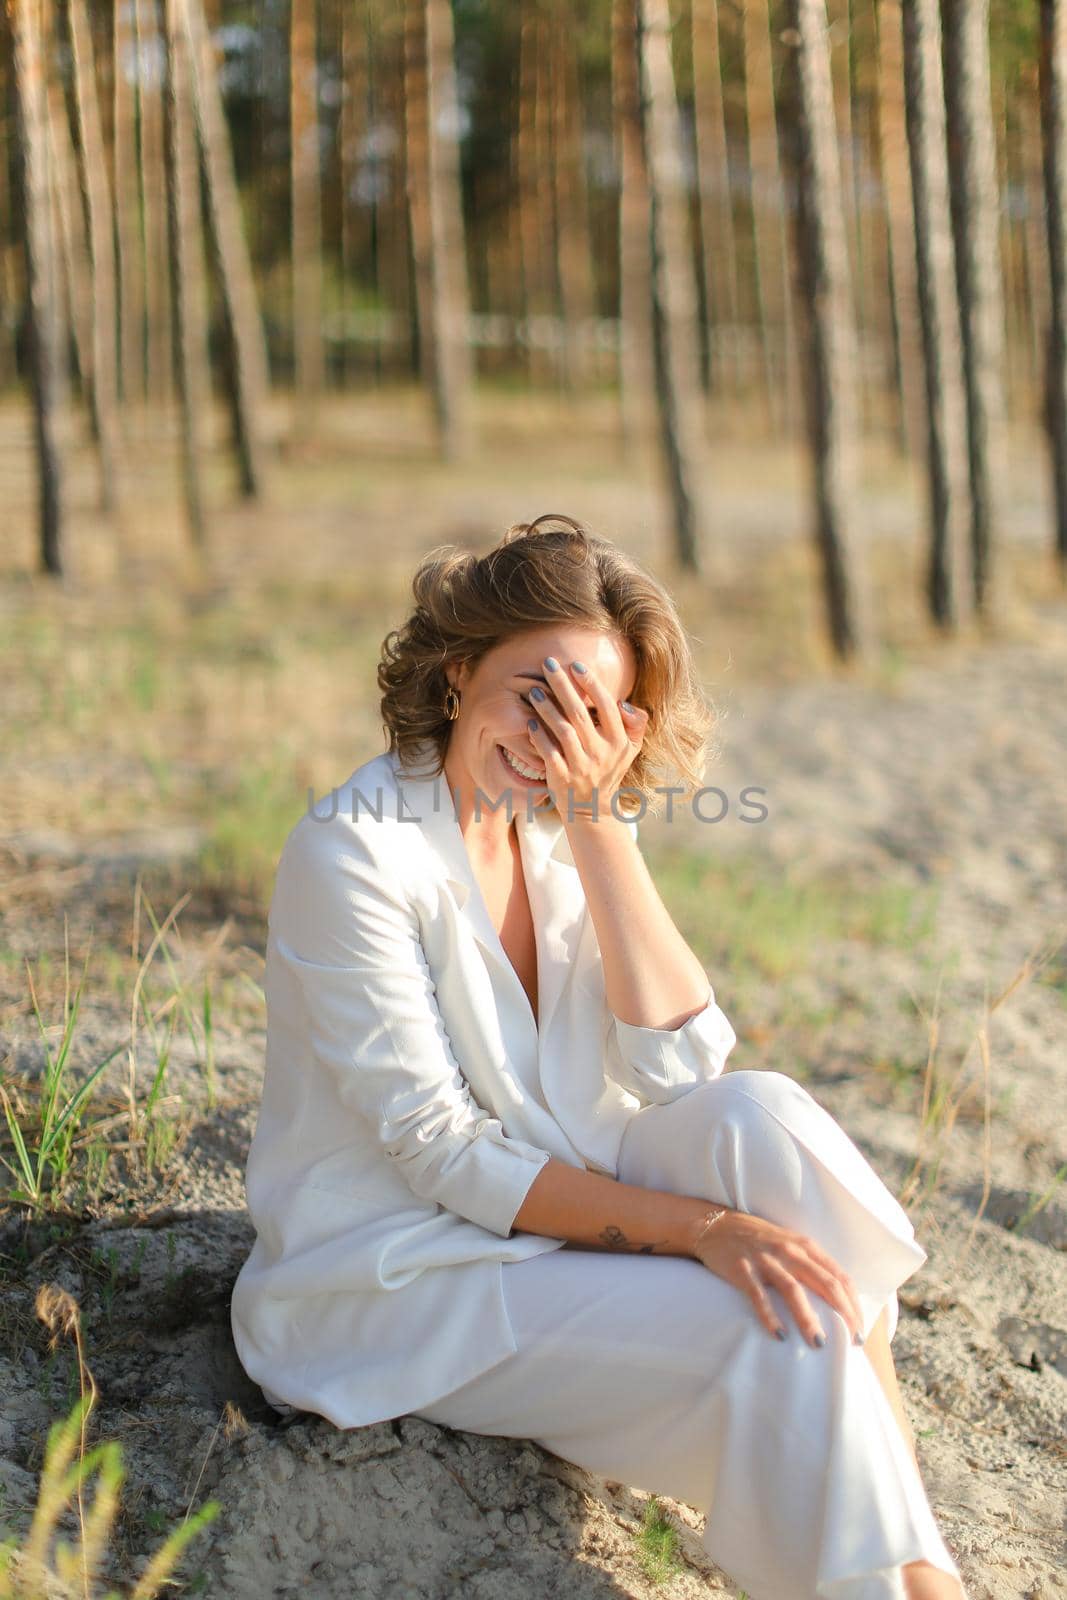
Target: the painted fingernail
pixel 536 693
pixel 551 663
pixel 578 667
pixel 627 707
pixel 779 1333
pixel 533 724
pixel 857 1338
pixel 819 1339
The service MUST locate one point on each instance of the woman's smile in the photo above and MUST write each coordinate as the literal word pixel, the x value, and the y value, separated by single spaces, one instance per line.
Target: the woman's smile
pixel 523 771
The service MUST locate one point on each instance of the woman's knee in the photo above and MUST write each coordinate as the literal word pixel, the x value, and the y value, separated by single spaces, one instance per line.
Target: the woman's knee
pixel 747 1093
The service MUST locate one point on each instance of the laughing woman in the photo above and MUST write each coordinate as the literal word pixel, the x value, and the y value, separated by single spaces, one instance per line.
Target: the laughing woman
pixel 500 1178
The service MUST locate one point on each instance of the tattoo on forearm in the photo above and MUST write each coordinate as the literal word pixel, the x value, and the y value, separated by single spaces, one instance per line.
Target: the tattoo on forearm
pixel 613 1238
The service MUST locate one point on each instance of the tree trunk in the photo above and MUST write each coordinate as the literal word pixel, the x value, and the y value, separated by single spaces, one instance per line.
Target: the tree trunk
pixel 158 315
pixel 674 294
pixel 73 246
pixel 534 210
pixel 826 323
pixel 573 249
pixel 355 76
pixel 101 241
pixel 308 349
pixel 950 585
pixel 247 377
pixel 435 206
pixel 718 253
pixel 128 210
pixel 636 371
pixel 1053 89
pixel 188 292
pixel 43 358
pixel 975 222
pixel 768 221
pixel 900 224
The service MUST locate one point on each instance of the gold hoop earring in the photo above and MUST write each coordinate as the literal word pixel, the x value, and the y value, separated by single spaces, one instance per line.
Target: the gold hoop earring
pixel 451 704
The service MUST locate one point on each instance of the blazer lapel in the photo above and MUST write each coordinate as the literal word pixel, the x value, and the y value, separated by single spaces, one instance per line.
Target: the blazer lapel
pixel 553 884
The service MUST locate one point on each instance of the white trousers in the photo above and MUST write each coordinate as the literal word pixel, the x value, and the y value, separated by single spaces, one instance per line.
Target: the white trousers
pixel 652 1371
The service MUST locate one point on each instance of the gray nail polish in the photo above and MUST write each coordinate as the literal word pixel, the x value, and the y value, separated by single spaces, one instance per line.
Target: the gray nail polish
pixel 779 1333
pixel 819 1339
pixel 579 667
pixel 857 1338
pixel 551 663
pixel 537 694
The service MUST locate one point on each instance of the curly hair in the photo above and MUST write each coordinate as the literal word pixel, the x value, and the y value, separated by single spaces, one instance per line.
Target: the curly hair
pixel 551 570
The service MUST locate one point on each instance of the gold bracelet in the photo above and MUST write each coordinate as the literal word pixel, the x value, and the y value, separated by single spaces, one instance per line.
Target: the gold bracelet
pixel 709 1222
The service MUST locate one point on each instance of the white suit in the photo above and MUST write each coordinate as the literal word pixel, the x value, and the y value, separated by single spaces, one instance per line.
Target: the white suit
pixel 410 1099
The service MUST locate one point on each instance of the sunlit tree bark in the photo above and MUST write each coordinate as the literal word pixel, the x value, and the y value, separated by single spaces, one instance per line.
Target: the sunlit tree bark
pixel 636 375
pixel 674 293
pixel 768 220
pixel 188 290
pixel 1053 89
pixel 975 219
pixel 94 168
pixel 71 245
pixel 435 205
pixel 151 77
pixel 42 357
pixel 355 78
pixel 900 222
pixel 128 208
pixel 574 254
pixel 247 376
pixel 826 323
pixel 950 586
pixel 308 347
pixel 718 253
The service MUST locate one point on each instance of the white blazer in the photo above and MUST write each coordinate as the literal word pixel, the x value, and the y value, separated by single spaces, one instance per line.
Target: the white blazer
pixel 410 1098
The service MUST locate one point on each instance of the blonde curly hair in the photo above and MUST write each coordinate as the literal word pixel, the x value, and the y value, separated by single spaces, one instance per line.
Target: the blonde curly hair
pixel 551 570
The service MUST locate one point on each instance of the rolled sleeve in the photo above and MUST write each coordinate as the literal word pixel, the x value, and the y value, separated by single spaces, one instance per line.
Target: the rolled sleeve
pixel 661 1064
pixel 344 925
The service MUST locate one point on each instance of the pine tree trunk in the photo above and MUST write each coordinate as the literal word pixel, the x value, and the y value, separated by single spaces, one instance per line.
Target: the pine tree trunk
pixel 355 76
pixel 535 220
pixel 975 221
pixel 674 295
pixel 308 348
pixel 574 253
pixel 188 290
pixel 950 584
pixel 768 221
pixel 900 223
pixel 636 371
pixel 718 252
pixel 9 296
pixel 128 211
pixel 826 323
pixel 71 245
pixel 101 241
pixel 158 314
pixel 42 356
pixel 435 208
pixel 1053 88
pixel 247 376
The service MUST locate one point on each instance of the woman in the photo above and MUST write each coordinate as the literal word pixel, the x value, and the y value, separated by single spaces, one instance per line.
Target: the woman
pixel 499 1178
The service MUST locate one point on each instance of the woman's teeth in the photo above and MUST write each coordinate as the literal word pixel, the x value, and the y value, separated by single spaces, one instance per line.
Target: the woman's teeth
pixel 517 766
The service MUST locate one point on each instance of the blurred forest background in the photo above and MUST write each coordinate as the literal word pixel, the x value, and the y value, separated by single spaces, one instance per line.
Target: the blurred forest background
pixel 830 221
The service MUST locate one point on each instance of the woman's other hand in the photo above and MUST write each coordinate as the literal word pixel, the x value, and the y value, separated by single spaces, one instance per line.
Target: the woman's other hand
pixel 754 1255
pixel 587 750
